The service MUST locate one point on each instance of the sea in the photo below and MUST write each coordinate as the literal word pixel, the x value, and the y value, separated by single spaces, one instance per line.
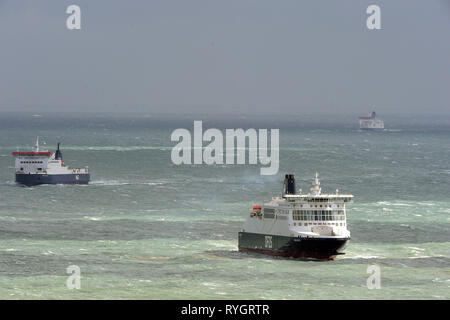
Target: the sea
pixel 146 228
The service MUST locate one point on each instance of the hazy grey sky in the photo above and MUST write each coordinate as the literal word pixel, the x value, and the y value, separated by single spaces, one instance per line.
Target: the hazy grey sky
pixel 230 55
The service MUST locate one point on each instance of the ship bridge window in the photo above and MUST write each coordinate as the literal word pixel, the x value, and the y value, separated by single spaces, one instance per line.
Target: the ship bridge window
pixel 299 215
pixel 338 214
pixel 318 215
pixel 269 213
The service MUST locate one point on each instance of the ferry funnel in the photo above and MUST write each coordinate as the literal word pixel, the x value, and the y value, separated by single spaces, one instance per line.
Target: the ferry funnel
pixel 289 184
pixel 58 154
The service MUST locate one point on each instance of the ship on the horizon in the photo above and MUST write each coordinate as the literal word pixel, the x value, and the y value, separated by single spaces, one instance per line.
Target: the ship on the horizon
pixel 298 225
pixel 371 122
pixel 45 167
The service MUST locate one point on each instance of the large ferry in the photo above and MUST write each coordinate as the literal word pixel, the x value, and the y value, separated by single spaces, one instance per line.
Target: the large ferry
pixel 371 122
pixel 44 167
pixel 298 225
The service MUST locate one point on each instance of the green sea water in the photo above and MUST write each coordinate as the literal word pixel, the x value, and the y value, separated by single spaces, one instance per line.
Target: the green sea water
pixel 145 228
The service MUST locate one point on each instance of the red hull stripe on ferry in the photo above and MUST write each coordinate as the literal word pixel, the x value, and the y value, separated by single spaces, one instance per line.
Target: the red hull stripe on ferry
pixel 32 153
pixel 367 118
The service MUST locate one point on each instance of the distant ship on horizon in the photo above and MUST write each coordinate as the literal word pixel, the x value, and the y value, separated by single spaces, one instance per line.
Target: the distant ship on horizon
pixel 371 122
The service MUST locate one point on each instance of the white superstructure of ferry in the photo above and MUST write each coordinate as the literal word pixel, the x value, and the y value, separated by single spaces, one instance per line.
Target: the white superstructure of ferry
pixel 371 122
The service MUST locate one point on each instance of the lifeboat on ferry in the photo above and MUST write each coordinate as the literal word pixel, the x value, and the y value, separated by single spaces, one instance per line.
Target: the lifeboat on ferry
pixel 256 211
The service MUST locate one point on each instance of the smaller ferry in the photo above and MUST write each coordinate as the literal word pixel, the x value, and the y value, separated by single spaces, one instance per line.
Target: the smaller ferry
pixel 371 122
pixel 45 167
pixel 297 225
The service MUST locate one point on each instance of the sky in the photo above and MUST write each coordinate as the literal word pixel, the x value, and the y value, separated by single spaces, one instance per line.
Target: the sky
pixel 236 56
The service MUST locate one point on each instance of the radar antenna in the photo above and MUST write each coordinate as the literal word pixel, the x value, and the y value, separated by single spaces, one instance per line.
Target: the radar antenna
pixel 315 189
pixel 36 146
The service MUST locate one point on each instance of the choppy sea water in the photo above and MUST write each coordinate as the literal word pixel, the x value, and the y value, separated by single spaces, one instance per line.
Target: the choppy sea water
pixel 145 228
